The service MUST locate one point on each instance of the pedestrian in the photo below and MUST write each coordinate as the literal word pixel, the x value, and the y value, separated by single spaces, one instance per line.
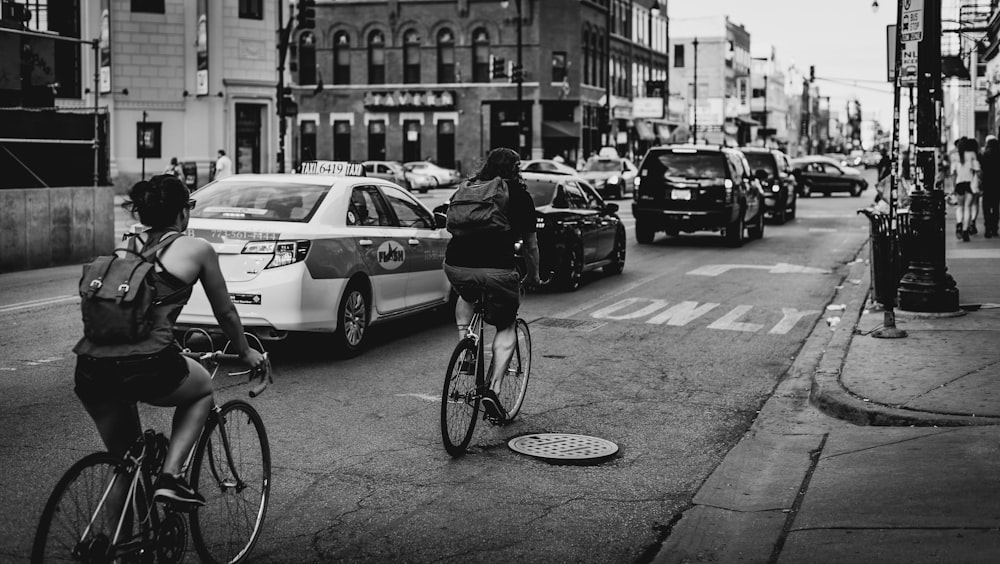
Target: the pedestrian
pixel 966 170
pixel 223 166
pixel 174 169
pixel 112 374
pixel 976 185
pixel 990 186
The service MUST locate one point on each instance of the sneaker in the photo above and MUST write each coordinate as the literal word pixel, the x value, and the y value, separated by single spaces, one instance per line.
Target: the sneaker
pixel 972 229
pixel 175 490
pixel 495 413
pixel 965 236
pixel 958 230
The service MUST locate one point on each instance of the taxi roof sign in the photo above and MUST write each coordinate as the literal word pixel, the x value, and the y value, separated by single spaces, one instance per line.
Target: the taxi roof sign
pixel 332 168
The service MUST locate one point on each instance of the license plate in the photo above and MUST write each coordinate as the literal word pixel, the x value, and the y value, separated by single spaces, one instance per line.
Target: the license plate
pixel 680 194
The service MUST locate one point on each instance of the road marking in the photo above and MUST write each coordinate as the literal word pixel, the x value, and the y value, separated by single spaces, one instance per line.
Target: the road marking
pixel 37 303
pixel 44 361
pixel 729 321
pixel 780 268
pixel 585 306
pixel 822 230
pixel 790 316
pixel 427 397
pixel 683 313
pixel 608 312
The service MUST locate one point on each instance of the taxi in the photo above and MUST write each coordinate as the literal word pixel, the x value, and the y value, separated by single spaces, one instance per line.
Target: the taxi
pixel 326 250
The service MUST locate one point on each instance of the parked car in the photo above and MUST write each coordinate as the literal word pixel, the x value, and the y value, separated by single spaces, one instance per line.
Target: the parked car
pixel 329 251
pixel 696 188
pixel 392 171
pixel 772 168
pixel 612 177
pixel 441 176
pixel 825 175
pixel 546 166
pixel 871 159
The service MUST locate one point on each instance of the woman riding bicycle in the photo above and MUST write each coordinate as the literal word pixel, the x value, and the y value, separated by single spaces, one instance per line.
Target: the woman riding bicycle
pixel 484 262
pixel 111 378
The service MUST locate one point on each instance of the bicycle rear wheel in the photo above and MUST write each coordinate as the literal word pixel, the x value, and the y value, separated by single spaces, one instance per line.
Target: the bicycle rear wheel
pixel 75 525
pixel 515 381
pixel 232 469
pixel 459 401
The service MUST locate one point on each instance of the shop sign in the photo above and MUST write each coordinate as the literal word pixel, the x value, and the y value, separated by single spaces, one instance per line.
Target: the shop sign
pixel 403 100
pixel 647 107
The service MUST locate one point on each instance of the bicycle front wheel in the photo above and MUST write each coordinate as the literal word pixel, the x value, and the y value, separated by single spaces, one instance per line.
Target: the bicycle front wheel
pixel 515 380
pixel 459 400
pixel 79 520
pixel 232 469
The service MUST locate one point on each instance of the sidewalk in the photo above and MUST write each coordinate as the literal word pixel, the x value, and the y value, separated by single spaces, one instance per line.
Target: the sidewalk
pixel 909 468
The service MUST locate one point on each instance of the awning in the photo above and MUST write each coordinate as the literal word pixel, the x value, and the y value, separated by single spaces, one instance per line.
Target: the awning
pixel 747 120
pixel 563 129
pixel 644 130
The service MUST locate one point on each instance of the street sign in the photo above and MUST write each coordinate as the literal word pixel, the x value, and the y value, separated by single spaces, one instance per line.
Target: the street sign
pixel 908 63
pixel 913 20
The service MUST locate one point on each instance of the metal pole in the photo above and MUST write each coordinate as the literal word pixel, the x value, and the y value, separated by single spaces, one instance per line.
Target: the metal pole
pixel 280 102
pixel 144 114
pixel 694 134
pixel 520 86
pixel 97 124
pixel 607 71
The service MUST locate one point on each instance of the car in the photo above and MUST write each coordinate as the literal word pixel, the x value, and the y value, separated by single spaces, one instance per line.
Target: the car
pixel 577 231
pixel 825 175
pixel 871 159
pixel 772 168
pixel 392 171
pixel 328 251
pixel 546 166
pixel 611 176
pixel 441 176
pixel 696 188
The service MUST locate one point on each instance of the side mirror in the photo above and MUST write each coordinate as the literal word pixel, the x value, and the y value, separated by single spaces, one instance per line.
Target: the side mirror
pixel 440 220
pixel 611 208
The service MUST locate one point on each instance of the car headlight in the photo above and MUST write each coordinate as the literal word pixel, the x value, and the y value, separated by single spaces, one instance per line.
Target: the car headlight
pixel 775 188
pixel 283 252
pixel 613 180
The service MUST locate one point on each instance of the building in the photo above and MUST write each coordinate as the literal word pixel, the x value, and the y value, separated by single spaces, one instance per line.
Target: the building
pixel 768 103
pixel 966 84
pixel 432 79
pixel 711 71
pixel 176 78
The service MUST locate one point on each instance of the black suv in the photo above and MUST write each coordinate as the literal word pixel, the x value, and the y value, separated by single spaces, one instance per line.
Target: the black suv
pixel 697 187
pixel 774 171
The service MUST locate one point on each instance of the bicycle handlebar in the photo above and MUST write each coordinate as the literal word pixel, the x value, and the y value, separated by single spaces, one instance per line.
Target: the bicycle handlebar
pixel 218 357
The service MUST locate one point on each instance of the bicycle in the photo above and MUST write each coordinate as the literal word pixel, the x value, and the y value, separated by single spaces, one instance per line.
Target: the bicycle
pixel 466 380
pixel 92 512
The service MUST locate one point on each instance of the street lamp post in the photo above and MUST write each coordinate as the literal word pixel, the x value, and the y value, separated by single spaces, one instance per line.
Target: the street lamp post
pixel 518 76
pixel 694 133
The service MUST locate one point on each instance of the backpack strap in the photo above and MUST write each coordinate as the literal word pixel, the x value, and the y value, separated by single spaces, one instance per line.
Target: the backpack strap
pixel 164 241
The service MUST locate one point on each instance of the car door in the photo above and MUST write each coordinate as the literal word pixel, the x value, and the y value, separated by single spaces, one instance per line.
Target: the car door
pixel 607 222
pixel 755 191
pixel 371 222
pixel 836 178
pixel 815 175
pixel 424 250
pixel 587 220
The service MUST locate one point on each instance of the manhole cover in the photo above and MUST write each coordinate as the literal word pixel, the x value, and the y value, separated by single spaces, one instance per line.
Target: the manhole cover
pixel 562 447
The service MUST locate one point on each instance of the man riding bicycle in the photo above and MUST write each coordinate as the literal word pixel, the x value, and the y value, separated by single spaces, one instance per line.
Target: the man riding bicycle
pixel 479 261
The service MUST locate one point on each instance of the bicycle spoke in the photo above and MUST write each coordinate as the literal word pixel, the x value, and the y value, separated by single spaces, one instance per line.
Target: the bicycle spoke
pixel 459 401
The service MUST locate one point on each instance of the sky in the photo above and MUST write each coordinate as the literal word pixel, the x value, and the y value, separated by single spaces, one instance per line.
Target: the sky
pixel 844 39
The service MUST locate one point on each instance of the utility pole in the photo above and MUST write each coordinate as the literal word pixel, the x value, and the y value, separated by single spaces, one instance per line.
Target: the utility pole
pixel 807 110
pixel 694 134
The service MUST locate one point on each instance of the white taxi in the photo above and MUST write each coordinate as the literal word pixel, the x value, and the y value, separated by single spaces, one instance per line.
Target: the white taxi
pixel 327 250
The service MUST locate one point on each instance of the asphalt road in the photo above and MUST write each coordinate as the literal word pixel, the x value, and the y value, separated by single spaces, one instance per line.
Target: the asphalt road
pixel 670 360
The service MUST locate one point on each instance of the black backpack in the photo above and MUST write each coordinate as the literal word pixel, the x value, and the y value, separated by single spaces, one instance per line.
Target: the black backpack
pixel 118 294
pixel 479 207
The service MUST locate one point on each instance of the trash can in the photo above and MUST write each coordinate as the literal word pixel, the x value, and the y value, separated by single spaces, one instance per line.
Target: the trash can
pixel 884 258
pixel 190 170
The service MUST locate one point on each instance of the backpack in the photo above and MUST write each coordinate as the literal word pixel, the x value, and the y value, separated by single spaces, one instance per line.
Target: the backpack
pixel 478 208
pixel 118 295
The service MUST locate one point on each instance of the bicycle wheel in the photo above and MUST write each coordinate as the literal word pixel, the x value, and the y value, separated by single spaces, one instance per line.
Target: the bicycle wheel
pixel 459 401
pixel 78 522
pixel 232 469
pixel 515 381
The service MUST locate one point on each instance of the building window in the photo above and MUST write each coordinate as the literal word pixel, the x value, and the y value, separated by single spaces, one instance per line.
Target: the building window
pixel 376 58
pixel 679 56
pixel 601 60
pixel 446 143
pixel 252 9
pixel 446 56
pixel 376 140
pixel 307 58
pixel 558 66
pixel 586 55
pixel 411 57
pixel 307 135
pixel 480 56
pixel 341 140
pixel 411 140
pixel 341 58
pixel 148 6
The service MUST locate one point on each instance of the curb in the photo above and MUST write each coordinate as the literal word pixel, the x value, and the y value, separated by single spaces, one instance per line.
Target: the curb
pixel 831 397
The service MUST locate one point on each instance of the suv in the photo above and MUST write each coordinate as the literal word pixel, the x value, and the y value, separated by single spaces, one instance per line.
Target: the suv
pixel 697 187
pixel 773 170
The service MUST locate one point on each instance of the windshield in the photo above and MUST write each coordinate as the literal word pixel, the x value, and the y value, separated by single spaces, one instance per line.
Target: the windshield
pixel 598 165
pixel 257 201
pixel 542 191
pixel 686 165
pixel 761 161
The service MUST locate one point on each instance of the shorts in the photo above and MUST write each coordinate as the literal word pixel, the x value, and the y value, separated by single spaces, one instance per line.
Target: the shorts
pixel 130 379
pixel 963 188
pixel 502 287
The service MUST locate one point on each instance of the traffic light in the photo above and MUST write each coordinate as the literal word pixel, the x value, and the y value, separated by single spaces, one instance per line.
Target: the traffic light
pixel 498 67
pixel 517 73
pixel 288 106
pixel 307 14
pixel 812 73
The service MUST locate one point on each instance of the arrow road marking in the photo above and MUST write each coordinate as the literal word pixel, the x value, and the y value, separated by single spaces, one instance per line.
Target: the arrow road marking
pixel 427 397
pixel 780 268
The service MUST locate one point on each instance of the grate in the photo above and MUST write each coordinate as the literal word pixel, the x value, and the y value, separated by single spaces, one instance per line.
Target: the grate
pixel 576 324
pixel 563 447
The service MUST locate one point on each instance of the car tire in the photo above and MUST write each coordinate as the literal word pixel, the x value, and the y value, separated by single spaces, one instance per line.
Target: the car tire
pixel 756 231
pixel 572 273
pixel 353 317
pixel 780 217
pixel 791 212
pixel 643 233
pixel 734 231
pixel 856 189
pixel 618 255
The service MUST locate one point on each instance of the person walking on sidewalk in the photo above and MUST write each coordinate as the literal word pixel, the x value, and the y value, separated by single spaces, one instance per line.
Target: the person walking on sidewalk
pixel 966 171
pixel 174 169
pixel 990 186
pixel 223 166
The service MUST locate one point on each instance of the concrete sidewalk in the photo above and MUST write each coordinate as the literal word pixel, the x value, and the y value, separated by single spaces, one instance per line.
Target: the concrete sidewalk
pixel 908 467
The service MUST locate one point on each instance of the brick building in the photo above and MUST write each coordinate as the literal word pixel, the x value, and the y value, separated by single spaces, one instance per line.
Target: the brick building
pixel 414 79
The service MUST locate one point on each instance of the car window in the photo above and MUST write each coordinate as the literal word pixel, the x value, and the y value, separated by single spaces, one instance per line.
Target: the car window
pixel 368 208
pixel 735 167
pixel 259 201
pixel 369 167
pixel 382 169
pixel 408 212
pixel 830 168
pixel 602 165
pixel 764 161
pixel 542 192
pixel 575 196
pixel 685 165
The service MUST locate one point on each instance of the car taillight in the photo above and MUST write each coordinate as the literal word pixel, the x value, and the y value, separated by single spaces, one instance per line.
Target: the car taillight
pixel 729 188
pixel 539 223
pixel 284 252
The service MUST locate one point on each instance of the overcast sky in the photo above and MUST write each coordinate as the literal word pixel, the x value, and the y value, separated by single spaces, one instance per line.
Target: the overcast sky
pixel 844 39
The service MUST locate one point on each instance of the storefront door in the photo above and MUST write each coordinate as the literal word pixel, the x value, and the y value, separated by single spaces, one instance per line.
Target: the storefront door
pixel 248 137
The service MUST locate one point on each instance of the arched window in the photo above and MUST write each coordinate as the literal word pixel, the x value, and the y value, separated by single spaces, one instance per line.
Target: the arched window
pixel 341 58
pixel 480 56
pixel 376 57
pixel 600 62
pixel 307 58
pixel 586 54
pixel 411 57
pixel 446 56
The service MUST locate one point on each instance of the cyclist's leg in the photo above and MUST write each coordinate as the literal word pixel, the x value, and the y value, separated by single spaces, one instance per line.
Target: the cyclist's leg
pixel 193 400
pixel 503 350
pixel 118 424
pixel 463 316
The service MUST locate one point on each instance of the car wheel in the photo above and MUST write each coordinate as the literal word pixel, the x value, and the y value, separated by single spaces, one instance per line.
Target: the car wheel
pixel 643 233
pixel 618 255
pixel 572 273
pixel 780 217
pixel 352 320
pixel 619 193
pixel 855 190
pixel 756 231
pixel 734 231
pixel 791 211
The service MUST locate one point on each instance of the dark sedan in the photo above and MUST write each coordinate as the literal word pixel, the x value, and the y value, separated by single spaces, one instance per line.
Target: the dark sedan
pixel 772 168
pixel 825 175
